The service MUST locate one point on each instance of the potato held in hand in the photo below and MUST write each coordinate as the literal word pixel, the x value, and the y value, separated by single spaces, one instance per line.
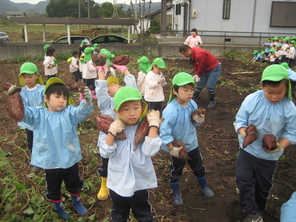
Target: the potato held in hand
pixel 141 132
pixel 251 135
pixel 269 142
pixel 15 104
pixel 103 124
pixel 121 60
pixel 183 154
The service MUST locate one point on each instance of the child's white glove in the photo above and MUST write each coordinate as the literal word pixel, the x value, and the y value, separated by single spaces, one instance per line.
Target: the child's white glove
pixel 153 118
pixel 116 126
pixel 198 115
pixel 179 150
pixel 13 89
pixel 86 94
pixel 196 78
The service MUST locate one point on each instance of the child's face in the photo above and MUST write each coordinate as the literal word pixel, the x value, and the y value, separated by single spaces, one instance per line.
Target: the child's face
pixel 184 94
pixel 130 112
pixel 193 33
pixel 55 102
pixel 187 53
pixel 30 79
pixel 274 94
pixel 113 88
pixel 156 69
pixel 76 55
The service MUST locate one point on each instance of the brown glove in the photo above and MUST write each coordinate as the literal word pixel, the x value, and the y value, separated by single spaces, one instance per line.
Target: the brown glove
pixel 249 135
pixel 270 144
pixel 179 150
pixel 103 124
pixel 198 115
pixel 120 60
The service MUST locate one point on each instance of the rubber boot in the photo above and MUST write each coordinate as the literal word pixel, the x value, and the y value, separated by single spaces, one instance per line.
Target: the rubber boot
pixel 212 97
pixel 204 186
pixel 81 210
pixel 93 94
pixel 178 201
pixel 104 191
pixel 80 97
pixel 58 207
pixel 35 169
pixel 196 94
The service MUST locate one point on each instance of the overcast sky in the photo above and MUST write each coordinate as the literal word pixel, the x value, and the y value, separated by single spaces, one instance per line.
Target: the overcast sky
pixel 98 1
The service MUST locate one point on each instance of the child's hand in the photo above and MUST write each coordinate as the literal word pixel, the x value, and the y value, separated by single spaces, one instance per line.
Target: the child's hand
pixel 196 78
pixel 120 68
pixel 270 144
pixel 153 118
pixel 102 68
pixel 116 127
pixel 86 94
pixel 11 89
pixel 179 150
pixel 198 115
pixel 249 134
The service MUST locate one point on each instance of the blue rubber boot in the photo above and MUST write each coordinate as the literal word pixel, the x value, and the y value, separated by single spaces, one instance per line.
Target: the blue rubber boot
pixel 81 210
pixel 178 201
pixel 58 207
pixel 204 186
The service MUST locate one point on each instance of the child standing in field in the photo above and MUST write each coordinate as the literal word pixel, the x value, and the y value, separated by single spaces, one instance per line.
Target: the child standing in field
pixel 32 93
pixel 194 40
pixel 89 73
pixel 74 67
pixel 180 125
pixel 273 114
pixel 130 169
pixel 143 66
pixel 154 83
pixel 106 89
pixel 56 145
pixel 50 63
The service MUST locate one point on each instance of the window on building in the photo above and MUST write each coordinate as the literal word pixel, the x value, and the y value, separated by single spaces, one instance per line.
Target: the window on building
pixel 226 9
pixel 178 9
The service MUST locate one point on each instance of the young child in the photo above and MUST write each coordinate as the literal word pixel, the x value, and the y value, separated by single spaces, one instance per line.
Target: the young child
pixel 272 56
pixel 288 213
pixel 106 89
pixel 194 40
pixel 271 111
pixel 154 83
pixel 267 46
pixel 32 93
pixel 255 56
pixel 178 125
pixel 130 169
pixel 144 64
pixel 89 73
pixel 74 67
pixel 50 63
pixel 56 145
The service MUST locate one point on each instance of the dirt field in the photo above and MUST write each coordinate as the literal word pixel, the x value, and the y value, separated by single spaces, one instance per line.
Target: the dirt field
pixel 217 141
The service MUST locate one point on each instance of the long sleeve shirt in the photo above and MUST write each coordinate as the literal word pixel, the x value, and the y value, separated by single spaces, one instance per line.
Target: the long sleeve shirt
pixel 178 125
pixel 74 64
pixel 130 170
pixel 55 141
pixel 203 61
pixel 278 119
pixel 89 71
pixel 49 66
pixel 154 87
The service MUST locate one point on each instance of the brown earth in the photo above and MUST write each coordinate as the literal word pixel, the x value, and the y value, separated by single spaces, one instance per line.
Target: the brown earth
pixel 217 142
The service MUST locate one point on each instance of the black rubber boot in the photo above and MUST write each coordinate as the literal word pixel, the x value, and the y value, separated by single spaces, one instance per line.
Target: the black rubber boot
pixel 212 97
pixel 196 94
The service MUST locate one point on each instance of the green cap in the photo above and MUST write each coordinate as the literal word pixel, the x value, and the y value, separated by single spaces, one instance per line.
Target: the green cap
pixel 109 56
pixel 46 47
pixel 262 52
pixel 181 79
pixel 275 38
pixel 83 41
pixel 255 52
pixel 87 51
pixel 286 65
pixel 54 80
pixel 271 50
pixel 158 62
pixel 29 68
pixel 96 45
pixel 278 46
pixel 128 93
pixel 112 79
pixel 293 42
pixel 276 73
pixel 143 64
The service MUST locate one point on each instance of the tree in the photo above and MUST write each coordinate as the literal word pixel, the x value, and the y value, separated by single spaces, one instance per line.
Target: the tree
pixel 121 13
pixel 106 10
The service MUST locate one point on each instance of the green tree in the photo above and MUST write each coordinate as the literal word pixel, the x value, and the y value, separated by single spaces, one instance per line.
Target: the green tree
pixel 129 13
pixel 120 11
pixel 106 10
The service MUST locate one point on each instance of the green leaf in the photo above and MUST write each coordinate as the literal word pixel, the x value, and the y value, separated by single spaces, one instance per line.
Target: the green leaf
pixel 20 186
pixel 29 211
pixel 8 207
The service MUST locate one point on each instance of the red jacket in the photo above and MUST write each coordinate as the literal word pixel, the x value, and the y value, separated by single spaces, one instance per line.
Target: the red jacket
pixel 203 61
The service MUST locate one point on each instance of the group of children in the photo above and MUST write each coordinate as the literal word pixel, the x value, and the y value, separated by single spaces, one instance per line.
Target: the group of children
pixel 127 171
pixel 277 50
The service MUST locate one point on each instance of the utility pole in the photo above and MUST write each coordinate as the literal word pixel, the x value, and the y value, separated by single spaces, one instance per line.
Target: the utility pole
pixel 88 13
pixel 78 14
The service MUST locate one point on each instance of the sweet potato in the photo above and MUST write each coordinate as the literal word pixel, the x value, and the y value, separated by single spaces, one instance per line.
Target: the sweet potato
pixel 141 132
pixel 251 135
pixel 120 60
pixel 269 142
pixel 103 124
pixel 15 104
pixel 183 155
